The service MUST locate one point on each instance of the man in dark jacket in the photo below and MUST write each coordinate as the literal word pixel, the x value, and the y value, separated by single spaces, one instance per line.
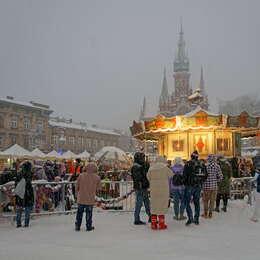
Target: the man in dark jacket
pixel 194 174
pixel 26 200
pixel 141 186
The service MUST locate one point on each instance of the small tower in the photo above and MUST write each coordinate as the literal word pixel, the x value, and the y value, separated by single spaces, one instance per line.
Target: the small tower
pixel 164 97
pixel 204 103
pixel 143 110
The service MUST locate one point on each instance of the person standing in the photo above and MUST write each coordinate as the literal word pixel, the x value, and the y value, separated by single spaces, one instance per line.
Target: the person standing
pixel 256 214
pixel 177 189
pixel 210 186
pixel 194 174
pixel 158 177
pixel 88 183
pixel 224 184
pixel 141 186
pixel 24 195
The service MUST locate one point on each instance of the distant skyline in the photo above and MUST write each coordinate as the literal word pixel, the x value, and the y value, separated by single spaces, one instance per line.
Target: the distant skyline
pixel 94 61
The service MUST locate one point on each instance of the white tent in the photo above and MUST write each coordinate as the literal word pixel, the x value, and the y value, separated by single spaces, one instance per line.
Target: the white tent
pixel 84 155
pixel 111 153
pixel 53 154
pixel 16 151
pixel 38 153
pixel 69 155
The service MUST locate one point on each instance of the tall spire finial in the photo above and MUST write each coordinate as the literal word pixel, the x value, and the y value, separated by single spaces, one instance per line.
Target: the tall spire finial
pixel 181 31
pixel 202 85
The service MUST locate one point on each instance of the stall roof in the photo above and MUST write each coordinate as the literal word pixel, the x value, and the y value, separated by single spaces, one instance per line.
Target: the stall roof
pixel 16 151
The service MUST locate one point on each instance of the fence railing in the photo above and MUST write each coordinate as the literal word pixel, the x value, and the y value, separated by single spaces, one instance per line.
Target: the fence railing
pixel 60 197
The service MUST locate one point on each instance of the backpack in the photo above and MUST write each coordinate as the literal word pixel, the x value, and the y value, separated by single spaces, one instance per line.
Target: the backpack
pixel 177 180
pixel 258 183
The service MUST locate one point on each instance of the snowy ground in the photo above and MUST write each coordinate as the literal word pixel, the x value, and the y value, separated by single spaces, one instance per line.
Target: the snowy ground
pixel 228 236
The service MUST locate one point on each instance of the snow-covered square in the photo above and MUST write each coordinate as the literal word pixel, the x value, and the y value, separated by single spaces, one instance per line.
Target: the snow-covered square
pixel 228 236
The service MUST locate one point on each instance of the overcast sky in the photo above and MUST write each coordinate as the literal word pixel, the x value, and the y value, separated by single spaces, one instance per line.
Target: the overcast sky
pixel 95 60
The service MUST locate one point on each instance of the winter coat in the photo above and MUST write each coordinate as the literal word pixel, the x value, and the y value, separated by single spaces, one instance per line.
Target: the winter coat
pixel 28 199
pixel 140 180
pixel 158 176
pixel 224 185
pixel 176 169
pixel 194 173
pixel 86 187
pixel 214 175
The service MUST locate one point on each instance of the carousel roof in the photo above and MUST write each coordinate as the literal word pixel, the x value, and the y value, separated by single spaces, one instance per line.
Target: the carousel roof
pixel 196 119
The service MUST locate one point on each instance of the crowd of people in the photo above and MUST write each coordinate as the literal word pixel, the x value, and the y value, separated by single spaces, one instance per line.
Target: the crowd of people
pixel 155 186
pixel 186 183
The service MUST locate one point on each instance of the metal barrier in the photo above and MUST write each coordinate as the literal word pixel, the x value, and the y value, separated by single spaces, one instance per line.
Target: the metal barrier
pixel 242 187
pixel 60 197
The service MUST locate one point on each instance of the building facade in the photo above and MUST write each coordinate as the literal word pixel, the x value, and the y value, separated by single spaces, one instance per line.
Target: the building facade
pixel 78 137
pixel 24 123
pixel 31 126
pixel 182 100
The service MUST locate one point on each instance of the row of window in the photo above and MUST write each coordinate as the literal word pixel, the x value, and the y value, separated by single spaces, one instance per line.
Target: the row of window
pixel 26 123
pixel 72 140
pixel 27 140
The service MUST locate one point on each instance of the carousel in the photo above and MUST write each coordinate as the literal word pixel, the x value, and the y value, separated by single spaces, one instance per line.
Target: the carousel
pixel 199 130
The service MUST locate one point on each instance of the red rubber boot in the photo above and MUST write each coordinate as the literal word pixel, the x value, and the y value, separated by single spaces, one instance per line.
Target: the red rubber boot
pixel 162 224
pixel 154 222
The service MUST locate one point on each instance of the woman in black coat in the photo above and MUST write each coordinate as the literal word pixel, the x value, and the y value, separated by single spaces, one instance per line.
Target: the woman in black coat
pixel 25 201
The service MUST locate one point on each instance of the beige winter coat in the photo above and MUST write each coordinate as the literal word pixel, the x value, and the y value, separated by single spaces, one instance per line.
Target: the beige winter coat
pixel 86 187
pixel 158 176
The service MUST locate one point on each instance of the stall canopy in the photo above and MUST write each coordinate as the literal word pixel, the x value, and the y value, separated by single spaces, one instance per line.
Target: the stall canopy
pixel 111 153
pixel 16 151
pixel 84 155
pixel 38 153
pixel 69 155
pixel 53 154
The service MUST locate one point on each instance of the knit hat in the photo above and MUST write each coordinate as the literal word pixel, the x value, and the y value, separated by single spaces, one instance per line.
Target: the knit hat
pixel 91 168
pixel 178 160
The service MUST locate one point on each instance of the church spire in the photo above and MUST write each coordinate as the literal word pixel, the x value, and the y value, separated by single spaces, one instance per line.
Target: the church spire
pixel 164 93
pixel 202 84
pixel 164 97
pixel 181 62
pixel 143 110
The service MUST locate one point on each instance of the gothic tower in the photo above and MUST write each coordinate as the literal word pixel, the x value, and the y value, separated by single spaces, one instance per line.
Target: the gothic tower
pixel 181 78
pixel 143 110
pixel 205 103
pixel 164 97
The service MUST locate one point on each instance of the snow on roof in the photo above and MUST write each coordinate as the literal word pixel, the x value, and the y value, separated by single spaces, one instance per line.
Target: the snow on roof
pixel 16 151
pixel 195 95
pixel 81 127
pixel 38 153
pixel 84 154
pixel 26 104
pixel 110 152
pixel 69 155
pixel 102 131
pixel 53 154
pixel 66 125
pixel 198 109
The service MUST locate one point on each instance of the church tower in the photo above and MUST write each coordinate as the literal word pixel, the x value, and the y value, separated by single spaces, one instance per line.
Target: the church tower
pixel 143 110
pixel 181 78
pixel 164 97
pixel 205 103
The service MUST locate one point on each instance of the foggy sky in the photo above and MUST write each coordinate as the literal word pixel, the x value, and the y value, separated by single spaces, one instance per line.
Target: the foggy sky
pixel 95 60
